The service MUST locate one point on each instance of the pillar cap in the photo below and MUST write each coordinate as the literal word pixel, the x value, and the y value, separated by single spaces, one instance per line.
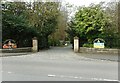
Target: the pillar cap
pixel 76 37
pixel 34 38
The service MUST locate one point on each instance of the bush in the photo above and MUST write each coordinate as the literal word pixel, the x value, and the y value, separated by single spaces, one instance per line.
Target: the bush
pixel 88 45
pixel 54 42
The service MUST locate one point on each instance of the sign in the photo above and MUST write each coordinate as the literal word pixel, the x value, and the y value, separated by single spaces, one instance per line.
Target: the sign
pixel 99 43
pixel 9 44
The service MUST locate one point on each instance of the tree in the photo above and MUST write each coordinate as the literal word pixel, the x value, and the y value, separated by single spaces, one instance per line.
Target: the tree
pixel 22 21
pixel 60 34
pixel 119 23
pixel 89 23
pixel 112 32
pixel 15 24
pixel 43 16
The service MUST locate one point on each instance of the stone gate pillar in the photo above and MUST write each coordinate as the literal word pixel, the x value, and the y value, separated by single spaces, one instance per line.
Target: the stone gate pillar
pixel 76 44
pixel 34 44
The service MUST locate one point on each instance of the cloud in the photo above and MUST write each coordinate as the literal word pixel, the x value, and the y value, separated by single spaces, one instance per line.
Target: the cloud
pixel 85 2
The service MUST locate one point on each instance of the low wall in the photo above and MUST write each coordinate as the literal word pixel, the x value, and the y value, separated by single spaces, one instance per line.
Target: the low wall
pixel 16 50
pixel 98 50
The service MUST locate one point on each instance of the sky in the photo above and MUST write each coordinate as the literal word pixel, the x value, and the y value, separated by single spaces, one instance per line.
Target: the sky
pixel 85 2
pixel 75 2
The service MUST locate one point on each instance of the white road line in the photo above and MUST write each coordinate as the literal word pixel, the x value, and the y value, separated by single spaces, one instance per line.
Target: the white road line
pixel 109 80
pixel 9 72
pixel 77 77
pixel 50 75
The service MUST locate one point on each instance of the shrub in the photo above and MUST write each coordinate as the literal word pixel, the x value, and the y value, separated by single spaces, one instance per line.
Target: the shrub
pixel 88 45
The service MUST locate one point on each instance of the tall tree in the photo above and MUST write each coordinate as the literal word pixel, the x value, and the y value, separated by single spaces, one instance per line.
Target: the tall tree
pixel 89 23
pixel 15 24
pixel 60 34
pixel 43 16
pixel 112 34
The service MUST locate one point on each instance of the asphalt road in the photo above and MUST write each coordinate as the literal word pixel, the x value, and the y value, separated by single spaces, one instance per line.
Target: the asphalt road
pixel 57 64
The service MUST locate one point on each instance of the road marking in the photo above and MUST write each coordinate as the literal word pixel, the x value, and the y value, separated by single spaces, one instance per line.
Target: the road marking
pixel 50 75
pixel 100 79
pixel 109 80
pixel 77 77
pixel 9 72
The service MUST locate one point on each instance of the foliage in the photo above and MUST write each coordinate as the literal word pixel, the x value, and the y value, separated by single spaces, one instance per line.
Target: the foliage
pixel 22 21
pixel 43 16
pixel 54 42
pixel 112 36
pixel 90 23
pixel 87 45
pixel 14 24
pixel 60 33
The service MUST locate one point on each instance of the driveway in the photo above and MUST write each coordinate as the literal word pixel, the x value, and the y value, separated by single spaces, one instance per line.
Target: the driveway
pixel 66 53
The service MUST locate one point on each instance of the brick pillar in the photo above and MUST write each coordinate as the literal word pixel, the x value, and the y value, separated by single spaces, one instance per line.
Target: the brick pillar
pixel 35 44
pixel 76 44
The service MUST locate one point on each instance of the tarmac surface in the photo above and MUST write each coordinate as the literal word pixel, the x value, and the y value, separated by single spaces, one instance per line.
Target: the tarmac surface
pixel 66 53
pixel 59 64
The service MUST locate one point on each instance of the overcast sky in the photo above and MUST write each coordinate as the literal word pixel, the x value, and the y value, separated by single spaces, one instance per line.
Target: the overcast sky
pixel 85 2
pixel 76 2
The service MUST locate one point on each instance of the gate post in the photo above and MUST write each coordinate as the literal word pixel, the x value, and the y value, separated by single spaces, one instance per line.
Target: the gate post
pixel 76 44
pixel 34 44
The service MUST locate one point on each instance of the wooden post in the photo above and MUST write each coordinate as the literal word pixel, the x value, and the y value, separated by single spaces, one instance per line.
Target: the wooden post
pixel 35 44
pixel 76 44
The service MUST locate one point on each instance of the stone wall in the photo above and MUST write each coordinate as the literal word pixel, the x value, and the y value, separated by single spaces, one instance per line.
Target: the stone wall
pixel 16 50
pixel 98 50
pixel 34 48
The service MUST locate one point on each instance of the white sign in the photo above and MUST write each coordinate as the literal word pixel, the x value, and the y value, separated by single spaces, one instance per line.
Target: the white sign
pixel 99 45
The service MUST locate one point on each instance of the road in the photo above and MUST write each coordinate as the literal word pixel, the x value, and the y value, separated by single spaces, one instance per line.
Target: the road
pixel 57 64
